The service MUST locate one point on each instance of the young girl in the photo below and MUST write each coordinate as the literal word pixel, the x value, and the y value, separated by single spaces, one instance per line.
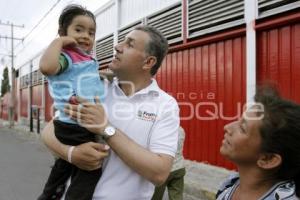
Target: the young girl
pixel 72 72
pixel 264 144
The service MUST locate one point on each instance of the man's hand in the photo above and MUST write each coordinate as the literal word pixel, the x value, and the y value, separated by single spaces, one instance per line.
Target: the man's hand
pixel 89 156
pixel 86 156
pixel 89 115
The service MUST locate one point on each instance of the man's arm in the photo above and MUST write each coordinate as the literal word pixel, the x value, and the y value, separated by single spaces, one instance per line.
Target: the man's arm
pixel 87 156
pixel 52 143
pixel 49 62
pixel 155 167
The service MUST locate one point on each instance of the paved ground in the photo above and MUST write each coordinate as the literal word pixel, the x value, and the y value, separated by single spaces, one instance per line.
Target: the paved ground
pixel 24 165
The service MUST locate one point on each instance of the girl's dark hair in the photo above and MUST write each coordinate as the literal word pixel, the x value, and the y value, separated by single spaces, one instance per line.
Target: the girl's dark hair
pixel 68 14
pixel 280 132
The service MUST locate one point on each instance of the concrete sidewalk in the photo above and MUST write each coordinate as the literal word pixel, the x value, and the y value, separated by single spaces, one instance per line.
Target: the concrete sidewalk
pixel 25 165
pixel 201 180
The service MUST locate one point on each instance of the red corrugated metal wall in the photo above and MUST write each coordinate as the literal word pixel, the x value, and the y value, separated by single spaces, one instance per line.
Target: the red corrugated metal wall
pixel 5 106
pixel 24 95
pixel 16 103
pixel 1 108
pixel 36 98
pixel 208 77
pixel 278 58
pixel 37 95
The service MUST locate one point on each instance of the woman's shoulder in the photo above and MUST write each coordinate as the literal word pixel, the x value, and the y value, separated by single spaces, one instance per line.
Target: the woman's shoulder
pixel 283 190
pixel 227 186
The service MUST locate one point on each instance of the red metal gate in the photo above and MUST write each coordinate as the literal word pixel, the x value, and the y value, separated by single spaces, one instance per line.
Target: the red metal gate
pixel 209 77
pixel 278 55
pixel 24 95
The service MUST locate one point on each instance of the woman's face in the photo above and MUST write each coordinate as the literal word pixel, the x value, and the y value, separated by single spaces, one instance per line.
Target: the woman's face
pixel 242 139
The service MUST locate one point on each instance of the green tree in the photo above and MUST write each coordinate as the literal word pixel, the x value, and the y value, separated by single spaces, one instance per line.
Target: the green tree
pixel 5 82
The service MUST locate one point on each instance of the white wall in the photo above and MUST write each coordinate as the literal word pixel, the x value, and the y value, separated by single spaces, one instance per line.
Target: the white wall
pixel 133 10
pixel 25 69
pixel 106 20
pixel 107 17
pixel 46 31
pixel 35 62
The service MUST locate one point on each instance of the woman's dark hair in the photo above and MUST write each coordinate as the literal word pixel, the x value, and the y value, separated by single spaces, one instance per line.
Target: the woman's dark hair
pixel 280 132
pixel 68 14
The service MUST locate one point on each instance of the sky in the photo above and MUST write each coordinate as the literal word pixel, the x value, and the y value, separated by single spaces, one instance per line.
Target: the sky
pixel 39 18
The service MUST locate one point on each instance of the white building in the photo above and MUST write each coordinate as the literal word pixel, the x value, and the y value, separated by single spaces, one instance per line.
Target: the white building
pixel 220 48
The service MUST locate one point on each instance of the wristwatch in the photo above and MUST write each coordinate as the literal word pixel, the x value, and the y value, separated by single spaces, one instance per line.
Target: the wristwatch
pixel 108 132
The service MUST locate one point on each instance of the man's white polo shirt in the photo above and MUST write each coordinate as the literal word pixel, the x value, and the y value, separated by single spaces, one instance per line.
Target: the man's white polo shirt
pixel 150 117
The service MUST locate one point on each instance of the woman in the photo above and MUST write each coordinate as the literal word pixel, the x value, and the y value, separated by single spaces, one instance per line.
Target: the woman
pixel 265 146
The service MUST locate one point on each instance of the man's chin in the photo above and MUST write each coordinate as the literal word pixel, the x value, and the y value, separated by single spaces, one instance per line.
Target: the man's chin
pixel 112 66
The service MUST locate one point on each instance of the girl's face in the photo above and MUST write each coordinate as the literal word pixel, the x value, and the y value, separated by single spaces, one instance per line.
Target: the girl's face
pixel 242 139
pixel 82 29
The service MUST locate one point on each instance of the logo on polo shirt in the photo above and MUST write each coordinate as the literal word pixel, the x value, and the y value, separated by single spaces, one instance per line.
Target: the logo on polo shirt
pixel 144 115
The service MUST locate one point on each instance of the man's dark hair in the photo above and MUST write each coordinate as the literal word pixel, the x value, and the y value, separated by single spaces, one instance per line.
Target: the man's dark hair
pixel 157 46
pixel 68 14
pixel 280 132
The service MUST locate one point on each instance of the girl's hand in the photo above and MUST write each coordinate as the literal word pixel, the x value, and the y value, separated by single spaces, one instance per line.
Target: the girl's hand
pixel 68 41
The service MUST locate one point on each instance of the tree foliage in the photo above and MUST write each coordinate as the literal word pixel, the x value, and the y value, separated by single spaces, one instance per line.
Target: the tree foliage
pixel 5 82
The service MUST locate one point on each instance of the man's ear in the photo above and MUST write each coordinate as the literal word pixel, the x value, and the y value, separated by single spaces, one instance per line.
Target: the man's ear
pixel 269 160
pixel 149 62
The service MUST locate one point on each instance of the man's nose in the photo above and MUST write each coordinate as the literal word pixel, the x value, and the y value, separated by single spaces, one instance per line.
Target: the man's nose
pixel 118 48
pixel 226 130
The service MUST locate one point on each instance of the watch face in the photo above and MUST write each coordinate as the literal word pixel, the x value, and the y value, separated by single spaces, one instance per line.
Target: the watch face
pixel 110 130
